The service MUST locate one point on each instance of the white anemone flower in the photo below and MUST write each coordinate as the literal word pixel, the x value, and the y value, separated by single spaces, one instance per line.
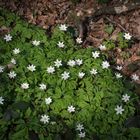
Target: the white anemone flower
pixel 12 74
pixel 7 37
pixel 25 86
pixel 51 70
pixel 45 119
pixel 63 27
pixel 65 75
pixel 105 64
pixel 35 42
pixel 16 51
pixel 125 97
pixel 79 40
pixel 71 109
pixel 31 68
pixel 119 109
pixel 48 100
pixel 127 36
pixel 95 54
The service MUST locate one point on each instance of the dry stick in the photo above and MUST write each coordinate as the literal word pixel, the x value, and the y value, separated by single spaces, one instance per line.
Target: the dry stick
pixel 117 24
pixel 121 27
pixel 117 9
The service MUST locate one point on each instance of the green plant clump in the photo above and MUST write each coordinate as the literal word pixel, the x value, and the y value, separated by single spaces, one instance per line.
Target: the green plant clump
pixel 45 95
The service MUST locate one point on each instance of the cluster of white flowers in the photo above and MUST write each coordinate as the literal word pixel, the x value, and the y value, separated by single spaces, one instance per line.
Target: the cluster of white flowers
pixel 80 128
pixel 120 109
pixel 72 62
pixel 65 75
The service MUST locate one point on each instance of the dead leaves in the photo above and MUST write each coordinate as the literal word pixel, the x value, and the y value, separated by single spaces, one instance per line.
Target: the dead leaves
pixel 97 32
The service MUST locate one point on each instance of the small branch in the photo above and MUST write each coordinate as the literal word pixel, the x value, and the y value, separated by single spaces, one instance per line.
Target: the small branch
pixel 117 9
pixel 117 24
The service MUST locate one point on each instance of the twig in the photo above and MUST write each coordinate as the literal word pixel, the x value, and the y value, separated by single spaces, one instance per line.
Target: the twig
pixel 117 9
pixel 117 24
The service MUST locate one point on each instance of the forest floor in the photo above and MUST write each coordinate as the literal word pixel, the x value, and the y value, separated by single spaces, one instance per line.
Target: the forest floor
pixel 48 13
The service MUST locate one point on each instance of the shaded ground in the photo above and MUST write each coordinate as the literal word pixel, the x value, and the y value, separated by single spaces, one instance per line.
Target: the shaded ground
pixel 47 13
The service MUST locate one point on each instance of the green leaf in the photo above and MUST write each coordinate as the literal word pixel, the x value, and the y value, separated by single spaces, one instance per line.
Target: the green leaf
pixel 109 29
pixel 7 115
pixel 21 134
